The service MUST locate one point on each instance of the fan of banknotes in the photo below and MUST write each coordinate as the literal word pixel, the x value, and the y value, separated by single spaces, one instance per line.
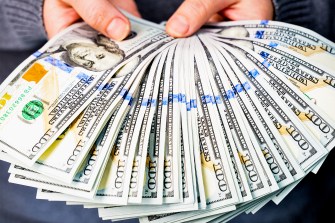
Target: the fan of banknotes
pixel 171 130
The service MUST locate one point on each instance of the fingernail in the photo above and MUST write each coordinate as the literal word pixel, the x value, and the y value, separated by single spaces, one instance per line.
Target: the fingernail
pixel 118 29
pixel 178 26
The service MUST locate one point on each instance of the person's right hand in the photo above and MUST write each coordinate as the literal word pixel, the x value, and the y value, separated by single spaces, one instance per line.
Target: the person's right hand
pixel 192 14
pixel 102 15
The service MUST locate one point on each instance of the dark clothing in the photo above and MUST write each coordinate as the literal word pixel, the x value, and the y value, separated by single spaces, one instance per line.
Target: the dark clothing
pixel 22 24
pixel 317 15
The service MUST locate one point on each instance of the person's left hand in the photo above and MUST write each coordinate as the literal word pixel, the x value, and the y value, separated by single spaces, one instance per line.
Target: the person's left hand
pixel 192 14
pixel 102 15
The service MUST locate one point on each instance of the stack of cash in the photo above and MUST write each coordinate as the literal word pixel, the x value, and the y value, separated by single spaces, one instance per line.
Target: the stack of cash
pixel 171 130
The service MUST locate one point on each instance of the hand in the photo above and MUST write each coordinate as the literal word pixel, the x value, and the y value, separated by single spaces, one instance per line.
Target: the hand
pixel 192 14
pixel 102 15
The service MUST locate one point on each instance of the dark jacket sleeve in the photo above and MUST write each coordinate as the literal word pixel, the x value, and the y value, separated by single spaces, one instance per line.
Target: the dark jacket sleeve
pixel 317 15
pixel 21 24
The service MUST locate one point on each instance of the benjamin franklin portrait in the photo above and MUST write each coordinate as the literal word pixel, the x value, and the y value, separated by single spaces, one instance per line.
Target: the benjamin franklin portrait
pixel 102 55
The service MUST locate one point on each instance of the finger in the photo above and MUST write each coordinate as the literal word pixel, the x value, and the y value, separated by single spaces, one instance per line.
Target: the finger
pixel 127 5
pixel 216 18
pixel 192 14
pixel 261 9
pixel 103 16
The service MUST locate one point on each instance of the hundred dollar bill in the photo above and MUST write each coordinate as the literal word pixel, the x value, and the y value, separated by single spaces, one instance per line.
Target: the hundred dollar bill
pixel 312 79
pixel 171 159
pixel 143 128
pixel 226 217
pixel 319 123
pixel 57 196
pixel 235 164
pixel 128 212
pixel 268 146
pixel 63 158
pixel 205 104
pixel 282 169
pixel 215 166
pixel 299 39
pixel 209 168
pixel 252 168
pixel 43 194
pixel 48 102
pixel 113 188
pixel 123 181
pixel 187 194
pixel 85 169
pixel 308 149
pixel 287 157
pixel 117 181
pixel 57 155
pixel 118 213
pixel 88 177
pixel 103 188
pixel 185 216
pixel 106 186
pixel 128 97
pixel 186 175
pixel 123 178
pixel 117 187
pixel 265 167
pixel 125 212
pixel 192 121
pixel 153 186
pixel 275 174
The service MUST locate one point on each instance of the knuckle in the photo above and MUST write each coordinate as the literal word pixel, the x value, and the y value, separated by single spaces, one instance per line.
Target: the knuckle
pixel 71 2
pixel 199 7
pixel 95 18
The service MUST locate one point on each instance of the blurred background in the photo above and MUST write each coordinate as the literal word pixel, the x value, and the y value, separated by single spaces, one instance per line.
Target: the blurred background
pixel 312 201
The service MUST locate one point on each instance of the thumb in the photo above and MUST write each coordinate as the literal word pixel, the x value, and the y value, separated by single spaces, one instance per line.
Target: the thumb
pixel 192 14
pixel 103 16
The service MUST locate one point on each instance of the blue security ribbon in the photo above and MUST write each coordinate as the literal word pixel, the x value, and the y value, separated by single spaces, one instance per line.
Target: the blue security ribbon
pixel 218 99
pixel 188 106
pixel 230 94
pixel 259 34
pixel 264 22
pixel 246 86
pixel 165 101
pixel 264 54
pixel 37 54
pixel 86 78
pixel 273 44
pixel 58 63
pixel 254 73
pixel 266 63
pixel 124 93
pixel 193 103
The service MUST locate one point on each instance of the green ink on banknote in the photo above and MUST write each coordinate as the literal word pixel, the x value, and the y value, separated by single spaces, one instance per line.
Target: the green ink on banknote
pixel 32 110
